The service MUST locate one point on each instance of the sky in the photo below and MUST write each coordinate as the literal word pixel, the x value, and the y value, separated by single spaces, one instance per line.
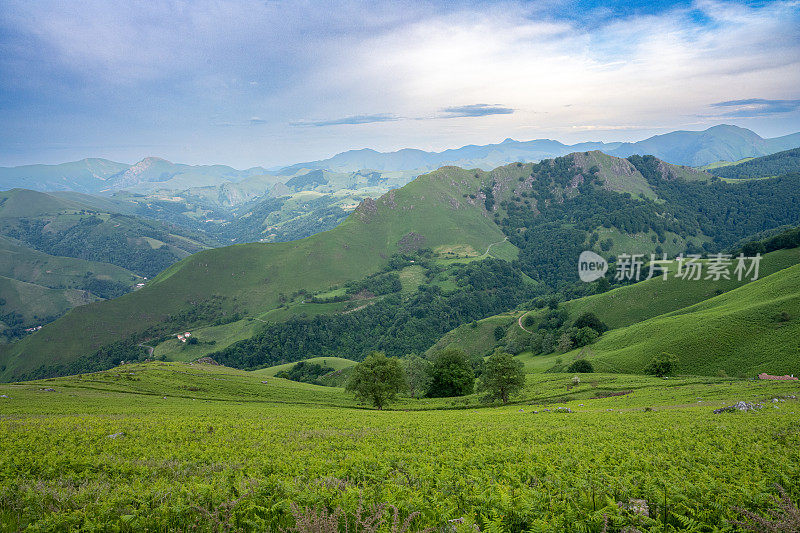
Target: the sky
pixel 271 83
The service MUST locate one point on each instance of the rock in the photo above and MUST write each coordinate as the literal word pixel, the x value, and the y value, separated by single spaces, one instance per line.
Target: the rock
pixel 636 506
pixel 115 435
pixel 738 406
pixel 564 410
pixel 4 396
pixel 49 390
pixel 207 361
pixel 265 382
pixel 521 411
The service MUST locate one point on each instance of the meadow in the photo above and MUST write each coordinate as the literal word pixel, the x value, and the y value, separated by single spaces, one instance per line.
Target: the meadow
pixel 179 447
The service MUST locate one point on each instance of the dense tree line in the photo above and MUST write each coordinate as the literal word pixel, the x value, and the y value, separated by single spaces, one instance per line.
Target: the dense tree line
pixel 394 324
pixel 762 167
pixel 305 372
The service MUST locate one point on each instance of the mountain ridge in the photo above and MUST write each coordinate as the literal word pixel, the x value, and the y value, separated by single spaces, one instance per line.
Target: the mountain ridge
pixel 722 142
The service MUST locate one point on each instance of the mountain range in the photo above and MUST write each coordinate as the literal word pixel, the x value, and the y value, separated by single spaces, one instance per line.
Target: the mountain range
pixel 693 148
pixel 450 247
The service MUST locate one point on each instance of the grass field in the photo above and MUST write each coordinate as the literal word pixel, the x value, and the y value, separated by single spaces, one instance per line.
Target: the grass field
pixel 173 446
pixel 752 329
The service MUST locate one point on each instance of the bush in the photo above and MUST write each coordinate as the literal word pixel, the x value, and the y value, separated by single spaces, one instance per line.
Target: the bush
pixel 662 365
pixel 581 366
pixel 499 333
pixel 590 320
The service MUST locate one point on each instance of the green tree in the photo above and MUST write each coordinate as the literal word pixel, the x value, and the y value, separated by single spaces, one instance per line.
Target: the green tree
pixel 377 379
pixel 581 366
pixel 584 336
pixel 502 376
pixel 451 374
pixel 662 365
pixel 418 376
pixel 590 320
pixel 499 333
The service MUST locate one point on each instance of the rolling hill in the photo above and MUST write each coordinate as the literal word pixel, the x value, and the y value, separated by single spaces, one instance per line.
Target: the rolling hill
pixel 249 279
pixel 762 167
pixel 618 308
pixel 749 330
pixel 436 237
pixel 66 225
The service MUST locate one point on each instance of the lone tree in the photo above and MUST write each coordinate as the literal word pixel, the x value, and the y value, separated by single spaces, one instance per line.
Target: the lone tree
pixel 418 376
pixel 377 379
pixel 502 376
pixel 662 365
pixel 451 374
pixel 581 366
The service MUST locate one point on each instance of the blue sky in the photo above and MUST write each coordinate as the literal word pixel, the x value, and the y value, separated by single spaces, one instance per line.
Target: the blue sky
pixel 269 82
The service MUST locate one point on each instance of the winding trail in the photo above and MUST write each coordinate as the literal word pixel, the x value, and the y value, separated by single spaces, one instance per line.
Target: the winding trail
pixel 150 349
pixel 519 322
pixel 490 247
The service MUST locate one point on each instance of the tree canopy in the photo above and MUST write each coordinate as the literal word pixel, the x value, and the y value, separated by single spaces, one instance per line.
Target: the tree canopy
pixel 502 376
pixel 451 374
pixel 377 379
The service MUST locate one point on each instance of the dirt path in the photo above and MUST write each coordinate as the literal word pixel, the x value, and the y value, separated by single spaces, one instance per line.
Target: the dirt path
pixel 519 321
pixel 150 349
pixel 490 247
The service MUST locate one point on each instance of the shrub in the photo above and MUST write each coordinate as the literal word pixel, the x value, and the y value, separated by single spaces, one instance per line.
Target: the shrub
pixel 581 366
pixel 662 365
pixel 499 333
pixel 590 320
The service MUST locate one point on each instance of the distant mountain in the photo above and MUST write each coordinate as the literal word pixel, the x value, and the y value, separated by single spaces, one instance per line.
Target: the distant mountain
pixel 86 175
pixel 153 172
pixel 693 148
pixel 696 148
pixel 96 175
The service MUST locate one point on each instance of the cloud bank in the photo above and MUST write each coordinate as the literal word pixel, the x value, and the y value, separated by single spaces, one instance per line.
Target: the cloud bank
pixel 75 77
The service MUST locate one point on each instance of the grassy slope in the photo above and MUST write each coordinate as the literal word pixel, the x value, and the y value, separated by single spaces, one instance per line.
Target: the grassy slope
pixel 253 275
pixel 336 363
pixel 739 332
pixel 175 447
pixel 720 164
pixel 36 303
pixel 26 264
pixel 622 306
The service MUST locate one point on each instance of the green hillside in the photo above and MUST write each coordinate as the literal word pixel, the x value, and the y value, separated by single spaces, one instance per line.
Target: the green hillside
pixel 540 216
pixel 249 279
pixel 336 363
pixel 749 330
pixel 26 305
pixel 720 164
pixel 762 167
pixel 76 225
pixel 26 264
pixel 617 308
pixel 171 446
